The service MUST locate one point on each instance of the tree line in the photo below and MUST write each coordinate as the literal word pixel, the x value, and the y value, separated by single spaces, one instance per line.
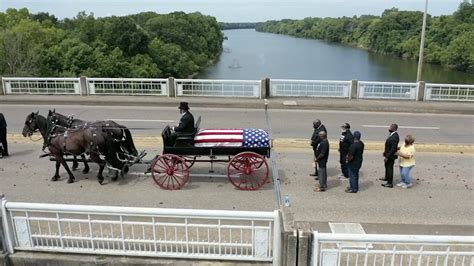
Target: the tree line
pixel 449 39
pixel 237 25
pixel 141 45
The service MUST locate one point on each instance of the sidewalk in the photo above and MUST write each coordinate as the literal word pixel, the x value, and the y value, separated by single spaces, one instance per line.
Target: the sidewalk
pixel 273 103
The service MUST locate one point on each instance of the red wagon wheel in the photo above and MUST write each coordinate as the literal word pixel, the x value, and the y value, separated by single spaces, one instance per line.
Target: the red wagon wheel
pixel 248 171
pixel 170 171
pixel 190 161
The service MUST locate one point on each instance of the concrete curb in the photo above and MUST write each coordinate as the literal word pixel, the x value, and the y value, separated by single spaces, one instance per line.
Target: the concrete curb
pixel 398 106
pixel 288 143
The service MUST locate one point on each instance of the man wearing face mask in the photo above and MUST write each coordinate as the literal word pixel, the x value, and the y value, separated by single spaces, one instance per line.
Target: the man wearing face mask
pixel 389 155
pixel 315 139
pixel 186 123
pixel 345 141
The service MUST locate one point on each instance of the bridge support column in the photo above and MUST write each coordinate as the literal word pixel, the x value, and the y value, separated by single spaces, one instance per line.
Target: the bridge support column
pixel 265 88
pixel 2 92
pixel 83 86
pixel 289 239
pixel 304 243
pixel 421 91
pixel 171 87
pixel 354 93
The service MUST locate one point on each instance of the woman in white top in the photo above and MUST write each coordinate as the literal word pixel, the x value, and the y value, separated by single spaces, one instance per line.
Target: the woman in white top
pixel 406 154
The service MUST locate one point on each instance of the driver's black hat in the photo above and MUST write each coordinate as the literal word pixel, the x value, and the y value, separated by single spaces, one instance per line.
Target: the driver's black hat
pixel 183 106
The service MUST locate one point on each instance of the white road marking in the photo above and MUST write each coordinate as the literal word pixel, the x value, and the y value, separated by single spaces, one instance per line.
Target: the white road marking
pixel 140 120
pixel 412 127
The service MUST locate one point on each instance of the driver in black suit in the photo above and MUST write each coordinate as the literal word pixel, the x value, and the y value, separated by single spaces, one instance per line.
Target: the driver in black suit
pixel 186 123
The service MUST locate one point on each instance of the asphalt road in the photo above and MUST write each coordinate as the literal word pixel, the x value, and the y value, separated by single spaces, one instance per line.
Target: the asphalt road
pixel 442 192
pixel 427 128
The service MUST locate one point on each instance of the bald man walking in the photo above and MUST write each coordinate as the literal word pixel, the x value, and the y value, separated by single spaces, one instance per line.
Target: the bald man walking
pixel 315 139
pixel 322 155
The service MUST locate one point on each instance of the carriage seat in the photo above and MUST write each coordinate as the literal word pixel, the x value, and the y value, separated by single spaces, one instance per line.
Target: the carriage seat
pixel 189 138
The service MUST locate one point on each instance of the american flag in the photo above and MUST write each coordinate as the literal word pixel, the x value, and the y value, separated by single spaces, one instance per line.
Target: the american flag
pixel 234 137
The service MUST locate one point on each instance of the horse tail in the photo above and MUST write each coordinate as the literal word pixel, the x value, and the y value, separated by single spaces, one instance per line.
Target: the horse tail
pixel 129 141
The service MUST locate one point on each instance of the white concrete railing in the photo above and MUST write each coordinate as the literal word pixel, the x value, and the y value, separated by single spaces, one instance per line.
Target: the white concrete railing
pixel 309 88
pixel 128 86
pixel 388 90
pixel 41 85
pixel 237 88
pixel 218 88
pixel 449 92
pixel 373 249
pixel 152 232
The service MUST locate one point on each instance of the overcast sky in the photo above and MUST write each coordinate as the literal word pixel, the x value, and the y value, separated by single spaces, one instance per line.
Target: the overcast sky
pixel 232 10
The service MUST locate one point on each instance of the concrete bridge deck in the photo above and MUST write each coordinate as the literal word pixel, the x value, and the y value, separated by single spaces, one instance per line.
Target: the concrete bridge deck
pixel 443 191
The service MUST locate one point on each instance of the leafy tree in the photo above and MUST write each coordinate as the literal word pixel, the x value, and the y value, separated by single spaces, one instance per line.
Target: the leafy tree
pixel 124 33
pixel 40 44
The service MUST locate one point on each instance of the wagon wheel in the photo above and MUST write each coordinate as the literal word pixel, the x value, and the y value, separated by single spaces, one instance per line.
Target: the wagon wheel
pixel 190 161
pixel 170 171
pixel 248 171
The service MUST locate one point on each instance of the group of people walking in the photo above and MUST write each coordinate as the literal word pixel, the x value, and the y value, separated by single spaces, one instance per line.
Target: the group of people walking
pixel 351 151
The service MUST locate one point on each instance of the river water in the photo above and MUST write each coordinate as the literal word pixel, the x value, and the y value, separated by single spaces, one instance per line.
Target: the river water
pixel 249 54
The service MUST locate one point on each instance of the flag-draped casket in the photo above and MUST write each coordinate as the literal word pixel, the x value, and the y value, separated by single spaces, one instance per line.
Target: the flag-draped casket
pixel 232 137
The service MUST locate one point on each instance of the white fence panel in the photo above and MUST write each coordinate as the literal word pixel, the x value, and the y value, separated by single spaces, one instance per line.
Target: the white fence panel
pixel 309 88
pixel 218 88
pixel 41 85
pixel 332 249
pixel 128 86
pixel 174 233
pixel 449 92
pixel 388 90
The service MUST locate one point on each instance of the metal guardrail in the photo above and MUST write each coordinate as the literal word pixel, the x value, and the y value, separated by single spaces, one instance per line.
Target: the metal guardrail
pixel 449 92
pixel 173 233
pixel 41 85
pixel 127 86
pixel 388 90
pixel 309 88
pixel 218 88
pixel 372 249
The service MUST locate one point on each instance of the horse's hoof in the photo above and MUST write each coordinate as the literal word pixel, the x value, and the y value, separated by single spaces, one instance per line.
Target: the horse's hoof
pixel 101 181
pixel 125 169
pixel 69 181
pixel 55 178
pixel 85 170
pixel 114 178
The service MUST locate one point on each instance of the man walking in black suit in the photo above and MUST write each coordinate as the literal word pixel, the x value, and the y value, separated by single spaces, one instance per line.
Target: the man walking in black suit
pixel 315 139
pixel 345 141
pixel 389 154
pixel 186 123
pixel 3 137
pixel 322 155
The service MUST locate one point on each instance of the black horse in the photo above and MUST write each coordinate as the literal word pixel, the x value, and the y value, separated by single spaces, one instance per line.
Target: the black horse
pixel 123 149
pixel 62 141
pixel 115 130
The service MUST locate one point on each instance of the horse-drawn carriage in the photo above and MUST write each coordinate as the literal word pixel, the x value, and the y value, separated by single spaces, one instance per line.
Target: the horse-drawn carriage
pixel 244 150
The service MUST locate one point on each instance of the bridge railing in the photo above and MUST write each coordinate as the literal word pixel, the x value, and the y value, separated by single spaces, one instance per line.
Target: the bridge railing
pixel 41 85
pixel 127 86
pixel 264 88
pixel 146 232
pixel 388 90
pixel 309 88
pixel 374 249
pixel 218 88
pixel 449 92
